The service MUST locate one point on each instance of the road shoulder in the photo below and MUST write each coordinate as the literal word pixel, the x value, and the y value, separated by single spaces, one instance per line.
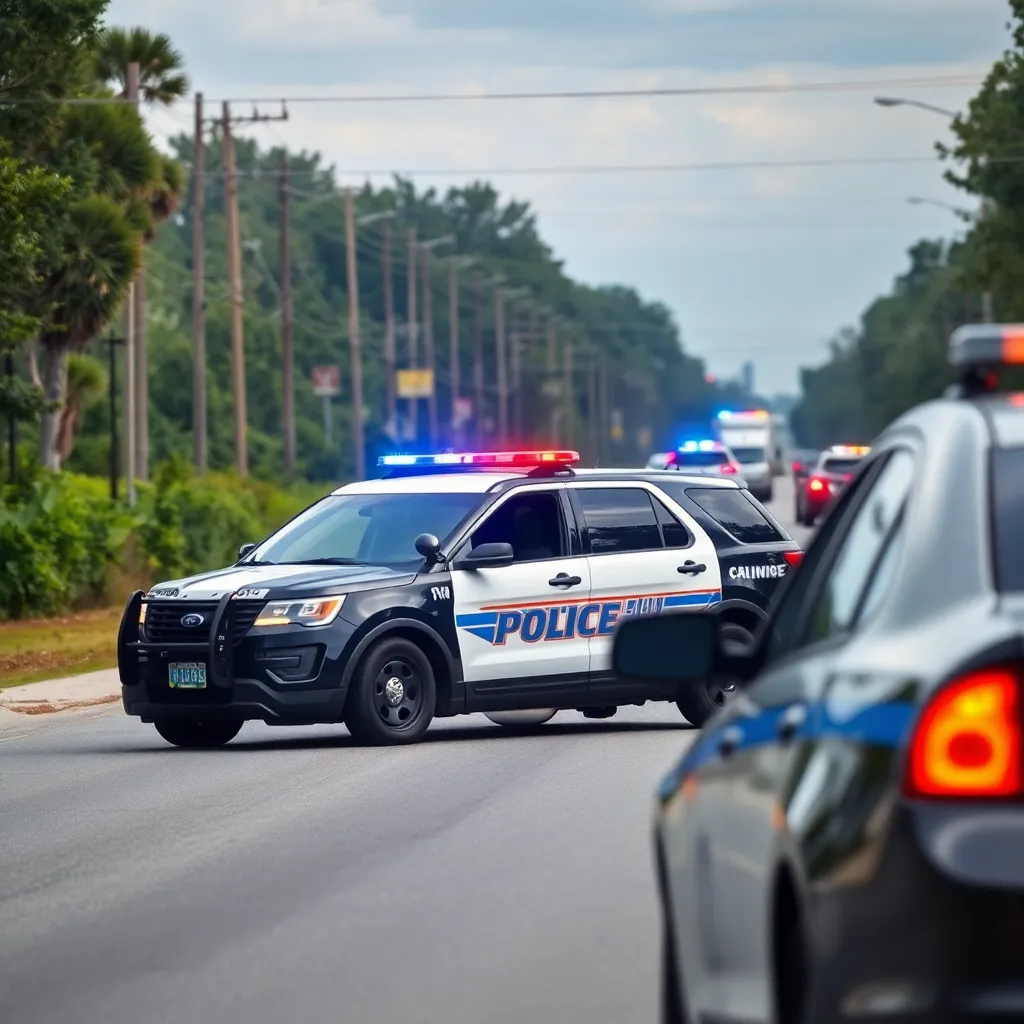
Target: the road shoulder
pixel 57 699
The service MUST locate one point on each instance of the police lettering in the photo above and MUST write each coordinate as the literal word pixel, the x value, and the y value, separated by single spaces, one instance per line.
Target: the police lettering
pixel 567 622
pixel 756 572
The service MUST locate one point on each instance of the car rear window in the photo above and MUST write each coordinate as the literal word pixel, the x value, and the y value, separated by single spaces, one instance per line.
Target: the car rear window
pixel 735 512
pixel 1008 518
pixel 840 465
pixel 700 458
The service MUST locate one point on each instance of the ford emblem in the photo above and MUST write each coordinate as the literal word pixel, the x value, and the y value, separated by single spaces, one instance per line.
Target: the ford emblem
pixel 192 619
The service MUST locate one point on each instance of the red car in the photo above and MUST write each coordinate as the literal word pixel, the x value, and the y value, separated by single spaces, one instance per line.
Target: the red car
pixel 834 470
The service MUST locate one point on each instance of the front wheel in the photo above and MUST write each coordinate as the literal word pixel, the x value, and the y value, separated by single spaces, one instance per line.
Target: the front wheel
pixel 701 699
pixel 197 735
pixel 521 719
pixel 393 694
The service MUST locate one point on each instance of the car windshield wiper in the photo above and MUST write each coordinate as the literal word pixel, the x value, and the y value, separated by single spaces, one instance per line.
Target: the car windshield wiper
pixel 257 561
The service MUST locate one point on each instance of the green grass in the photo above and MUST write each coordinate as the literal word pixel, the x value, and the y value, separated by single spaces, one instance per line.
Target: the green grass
pixel 36 649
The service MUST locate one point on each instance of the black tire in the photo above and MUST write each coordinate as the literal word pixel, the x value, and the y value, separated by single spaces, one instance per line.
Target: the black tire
pixel 197 735
pixel 702 698
pixel 393 669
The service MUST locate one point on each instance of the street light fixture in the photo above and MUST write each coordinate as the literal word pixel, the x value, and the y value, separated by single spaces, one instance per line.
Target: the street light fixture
pixel 896 101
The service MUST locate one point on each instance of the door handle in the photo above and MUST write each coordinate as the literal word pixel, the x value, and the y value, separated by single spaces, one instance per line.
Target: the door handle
pixel 730 740
pixel 565 580
pixel 691 568
pixel 789 722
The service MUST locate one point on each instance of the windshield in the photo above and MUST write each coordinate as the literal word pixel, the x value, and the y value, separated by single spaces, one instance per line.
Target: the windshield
pixel 1007 517
pixel 701 458
pixel 366 529
pixel 840 466
pixel 747 456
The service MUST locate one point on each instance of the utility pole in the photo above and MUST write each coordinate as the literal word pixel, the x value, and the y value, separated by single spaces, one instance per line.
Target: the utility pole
pixel 499 354
pixel 131 389
pixel 552 368
pixel 593 428
pixel 139 381
pixel 604 426
pixel 353 339
pixel 567 397
pixel 453 347
pixel 389 330
pixel 478 361
pixel 235 284
pixel 413 325
pixel 287 349
pixel 199 290
pixel 428 347
pixel 516 342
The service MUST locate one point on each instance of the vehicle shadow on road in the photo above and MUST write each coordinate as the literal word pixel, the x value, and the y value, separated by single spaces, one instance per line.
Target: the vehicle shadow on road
pixel 439 733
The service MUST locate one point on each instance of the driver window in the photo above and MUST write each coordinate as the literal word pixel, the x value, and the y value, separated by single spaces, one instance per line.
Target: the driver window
pixel 531 523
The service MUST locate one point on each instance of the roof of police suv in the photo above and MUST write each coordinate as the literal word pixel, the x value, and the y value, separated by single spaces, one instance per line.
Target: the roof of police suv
pixel 481 481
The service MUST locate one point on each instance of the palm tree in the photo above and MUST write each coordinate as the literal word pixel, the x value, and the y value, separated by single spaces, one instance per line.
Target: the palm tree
pixel 86 382
pixel 101 256
pixel 161 78
pixel 161 82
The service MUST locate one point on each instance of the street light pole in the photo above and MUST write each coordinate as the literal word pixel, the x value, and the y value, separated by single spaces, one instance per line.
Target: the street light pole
pixel 895 101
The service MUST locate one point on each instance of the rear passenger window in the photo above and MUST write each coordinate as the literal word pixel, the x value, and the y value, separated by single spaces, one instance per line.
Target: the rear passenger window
pixel 676 535
pixel 619 519
pixel 1008 518
pixel 736 513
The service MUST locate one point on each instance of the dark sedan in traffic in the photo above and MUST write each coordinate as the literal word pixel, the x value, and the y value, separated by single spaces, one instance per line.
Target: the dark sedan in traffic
pixel 845 839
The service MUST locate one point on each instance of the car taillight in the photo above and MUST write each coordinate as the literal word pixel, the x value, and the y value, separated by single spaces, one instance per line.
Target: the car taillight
pixel 968 739
pixel 792 557
pixel 797 467
pixel 816 484
pixel 728 468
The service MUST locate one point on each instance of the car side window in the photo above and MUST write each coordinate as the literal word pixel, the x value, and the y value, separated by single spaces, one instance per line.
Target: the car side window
pixel 883 576
pixel 532 523
pixel 840 594
pixel 619 519
pixel 675 534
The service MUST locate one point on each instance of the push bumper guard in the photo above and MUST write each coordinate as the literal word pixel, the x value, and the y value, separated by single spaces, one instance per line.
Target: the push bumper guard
pixel 217 650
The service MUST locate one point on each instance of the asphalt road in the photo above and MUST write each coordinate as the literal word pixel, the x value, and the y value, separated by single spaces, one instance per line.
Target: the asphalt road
pixel 291 876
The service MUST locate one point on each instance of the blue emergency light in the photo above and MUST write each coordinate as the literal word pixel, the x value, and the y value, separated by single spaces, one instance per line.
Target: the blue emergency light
pixel 700 446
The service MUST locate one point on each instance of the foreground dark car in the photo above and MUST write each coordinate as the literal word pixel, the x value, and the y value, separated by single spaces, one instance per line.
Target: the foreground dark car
pixel 845 839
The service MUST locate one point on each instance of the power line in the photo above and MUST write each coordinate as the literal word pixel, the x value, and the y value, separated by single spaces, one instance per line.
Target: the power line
pixel 716 165
pixel 764 88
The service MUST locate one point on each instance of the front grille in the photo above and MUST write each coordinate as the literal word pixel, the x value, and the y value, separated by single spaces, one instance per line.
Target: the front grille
pixel 163 620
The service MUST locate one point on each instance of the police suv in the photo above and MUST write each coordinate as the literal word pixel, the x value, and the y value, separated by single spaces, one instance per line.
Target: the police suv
pixel 457 583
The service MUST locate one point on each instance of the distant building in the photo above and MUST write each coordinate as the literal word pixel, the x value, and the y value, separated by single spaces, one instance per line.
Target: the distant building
pixel 747 377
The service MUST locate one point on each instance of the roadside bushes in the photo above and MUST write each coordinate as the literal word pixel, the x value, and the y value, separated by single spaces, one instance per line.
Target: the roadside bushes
pixel 64 545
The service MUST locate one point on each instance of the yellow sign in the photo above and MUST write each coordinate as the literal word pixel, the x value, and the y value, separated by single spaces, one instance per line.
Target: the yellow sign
pixel 415 383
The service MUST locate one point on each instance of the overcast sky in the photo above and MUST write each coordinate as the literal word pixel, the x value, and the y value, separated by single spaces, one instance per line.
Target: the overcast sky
pixel 759 264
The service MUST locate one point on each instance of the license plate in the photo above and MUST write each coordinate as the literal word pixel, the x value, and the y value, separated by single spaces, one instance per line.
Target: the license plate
pixel 186 675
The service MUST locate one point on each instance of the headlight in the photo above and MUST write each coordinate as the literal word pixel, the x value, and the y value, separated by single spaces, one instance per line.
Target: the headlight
pixel 314 611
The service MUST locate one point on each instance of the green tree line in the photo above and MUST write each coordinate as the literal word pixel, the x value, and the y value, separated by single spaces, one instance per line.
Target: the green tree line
pixel 897 356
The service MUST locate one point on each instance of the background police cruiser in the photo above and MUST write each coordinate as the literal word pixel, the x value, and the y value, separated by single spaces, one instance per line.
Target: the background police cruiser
pixel 355 611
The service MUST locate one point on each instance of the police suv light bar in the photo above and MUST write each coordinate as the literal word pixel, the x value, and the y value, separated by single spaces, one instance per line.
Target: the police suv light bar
pixel 463 459
pixel 849 449
pixel 978 351
pixel 700 446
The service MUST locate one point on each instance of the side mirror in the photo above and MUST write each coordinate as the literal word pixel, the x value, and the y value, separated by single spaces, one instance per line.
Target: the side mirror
pixel 429 547
pixel 678 646
pixel 488 556
pixel 244 550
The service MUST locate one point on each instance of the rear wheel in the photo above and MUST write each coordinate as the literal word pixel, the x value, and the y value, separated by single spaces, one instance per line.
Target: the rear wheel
pixel 521 719
pixel 393 694
pixel 186 733
pixel 700 700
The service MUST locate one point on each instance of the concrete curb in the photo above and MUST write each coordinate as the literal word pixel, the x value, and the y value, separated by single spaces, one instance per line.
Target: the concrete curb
pixel 55 696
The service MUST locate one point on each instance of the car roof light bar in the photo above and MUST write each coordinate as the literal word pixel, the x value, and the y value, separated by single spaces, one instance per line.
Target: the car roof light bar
pixel 978 351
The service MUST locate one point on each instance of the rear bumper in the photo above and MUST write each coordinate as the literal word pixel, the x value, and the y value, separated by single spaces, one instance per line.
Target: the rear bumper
pixel 914 942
